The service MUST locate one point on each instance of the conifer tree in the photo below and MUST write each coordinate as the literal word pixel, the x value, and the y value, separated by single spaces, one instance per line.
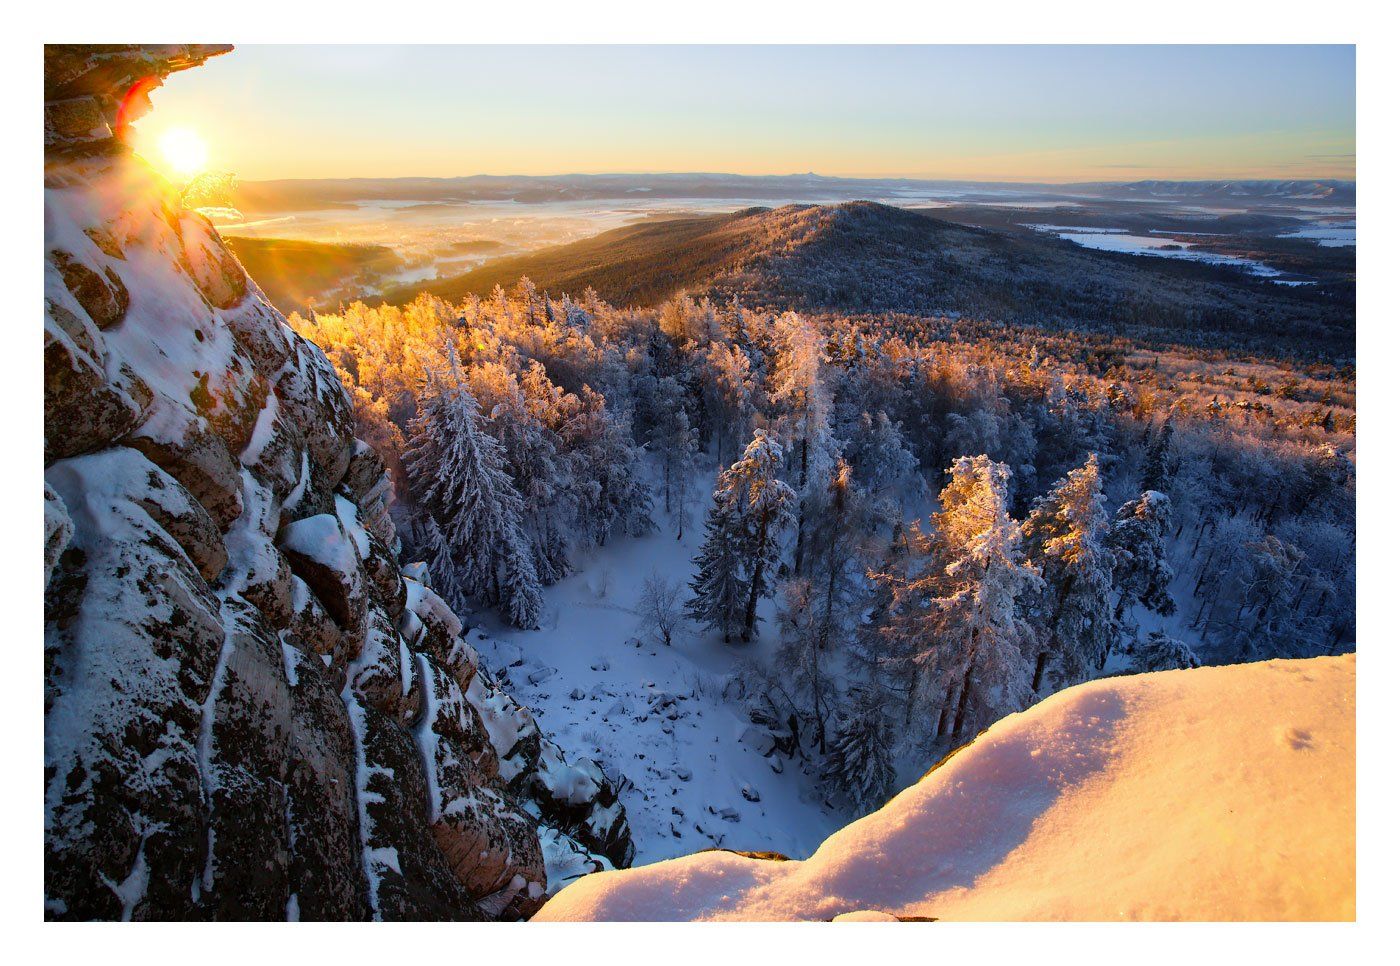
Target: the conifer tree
pixel 744 529
pixel 717 589
pixel 805 415
pixel 1065 536
pixel 458 474
pixel 677 445
pixel 961 613
pixel 802 658
pixel 1137 540
pixel 859 762
pixel 1156 465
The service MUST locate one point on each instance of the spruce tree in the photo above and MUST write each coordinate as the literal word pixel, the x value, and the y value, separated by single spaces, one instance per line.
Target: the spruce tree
pixel 743 533
pixel 1137 540
pixel 1065 536
pixel 961 615
pixel 859 762
pixel 1156 465
pixel 459 478
pixel 717 589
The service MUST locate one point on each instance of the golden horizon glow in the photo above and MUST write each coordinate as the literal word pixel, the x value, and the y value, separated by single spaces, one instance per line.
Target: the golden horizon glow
pixel 1018 113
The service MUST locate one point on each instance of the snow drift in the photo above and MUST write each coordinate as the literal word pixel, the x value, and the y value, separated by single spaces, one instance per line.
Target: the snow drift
pixel 1217 793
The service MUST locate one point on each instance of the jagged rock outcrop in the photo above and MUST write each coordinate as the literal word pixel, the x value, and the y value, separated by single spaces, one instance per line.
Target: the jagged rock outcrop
pixel 250 712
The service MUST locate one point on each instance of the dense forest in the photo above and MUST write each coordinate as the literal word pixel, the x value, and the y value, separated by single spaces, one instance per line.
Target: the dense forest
pixel 954 518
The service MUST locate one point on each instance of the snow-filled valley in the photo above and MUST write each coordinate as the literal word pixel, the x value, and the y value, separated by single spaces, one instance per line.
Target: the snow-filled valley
pixel 670 720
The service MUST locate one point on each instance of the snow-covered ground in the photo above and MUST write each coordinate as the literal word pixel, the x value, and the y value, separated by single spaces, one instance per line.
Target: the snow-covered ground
pixel 603 688
pixel 1216 793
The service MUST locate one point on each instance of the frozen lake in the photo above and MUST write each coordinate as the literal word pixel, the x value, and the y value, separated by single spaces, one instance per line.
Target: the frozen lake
pixel 1329 236
pixel 1117 240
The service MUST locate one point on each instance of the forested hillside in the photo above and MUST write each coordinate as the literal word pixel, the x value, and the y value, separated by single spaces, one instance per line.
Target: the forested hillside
pixel 862 257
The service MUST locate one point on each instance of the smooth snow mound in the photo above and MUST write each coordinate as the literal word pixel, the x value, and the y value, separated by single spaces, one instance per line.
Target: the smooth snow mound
pixel 1215 793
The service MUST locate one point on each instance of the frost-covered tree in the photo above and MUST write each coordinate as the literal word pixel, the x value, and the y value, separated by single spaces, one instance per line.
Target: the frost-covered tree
pixel 1157 464
pixel 659 607
pixel 859 762
pixel 534 459
pixel 802 658
pixel 880 459
pixel 960 616
pixel 1161 652
pixel 676 445
pixel 837 542
pixel 1137 540
pixel 752 507
pixel 612 490
pixel 804 414
pixel 1065 536
pixel 458 474
pixel 729 398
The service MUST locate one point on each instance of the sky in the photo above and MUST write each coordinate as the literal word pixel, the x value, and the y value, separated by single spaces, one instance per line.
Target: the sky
pixel 1014 113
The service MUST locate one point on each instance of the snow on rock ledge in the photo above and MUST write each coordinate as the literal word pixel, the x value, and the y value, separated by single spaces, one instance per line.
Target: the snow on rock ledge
pixel 1209 794
pixel 247 713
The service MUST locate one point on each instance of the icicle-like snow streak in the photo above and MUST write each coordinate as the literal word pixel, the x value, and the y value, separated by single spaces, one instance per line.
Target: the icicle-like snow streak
pixel 373 858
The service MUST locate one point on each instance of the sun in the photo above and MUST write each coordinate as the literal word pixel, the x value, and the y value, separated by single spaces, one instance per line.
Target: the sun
pixel 184 151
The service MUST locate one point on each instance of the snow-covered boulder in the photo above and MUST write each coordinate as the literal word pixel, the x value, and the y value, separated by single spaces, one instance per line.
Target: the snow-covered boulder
pixel 1212 793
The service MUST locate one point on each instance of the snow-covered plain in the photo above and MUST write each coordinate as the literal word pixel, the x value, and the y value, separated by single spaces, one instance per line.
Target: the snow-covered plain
pixel 669 719
pixel 1209 794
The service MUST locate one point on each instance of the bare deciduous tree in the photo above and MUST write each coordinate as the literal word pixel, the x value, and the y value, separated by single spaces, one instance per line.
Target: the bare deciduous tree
pixel 659 607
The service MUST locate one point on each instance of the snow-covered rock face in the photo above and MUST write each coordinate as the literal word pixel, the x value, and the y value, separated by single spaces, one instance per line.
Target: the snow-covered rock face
pixel 249 712
pixel 1207 794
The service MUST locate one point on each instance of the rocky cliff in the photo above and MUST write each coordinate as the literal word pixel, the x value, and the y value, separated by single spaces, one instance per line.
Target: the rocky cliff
pixel 250 711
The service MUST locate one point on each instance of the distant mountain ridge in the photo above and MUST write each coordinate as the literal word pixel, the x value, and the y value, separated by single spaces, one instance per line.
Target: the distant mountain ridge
pixel 863 257
pixel 305 194
pixel 1329 191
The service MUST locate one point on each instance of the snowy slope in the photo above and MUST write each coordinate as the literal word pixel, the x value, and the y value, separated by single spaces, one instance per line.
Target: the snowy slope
pixel 697 771
pixel 1217 793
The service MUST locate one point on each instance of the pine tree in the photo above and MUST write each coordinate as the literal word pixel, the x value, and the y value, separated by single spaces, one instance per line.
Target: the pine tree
pixel 800 390
pixel 859 761
pixel 960 615
pixel 612 490
pixel 533 458
pixel 729 397
pixel 677 445
pixel 1065 536
pixel 744 528
pixel 1156 465
pixel 717 589
pixel 802 657
pixel 1137 541
pixel 836 542
pixel 458 474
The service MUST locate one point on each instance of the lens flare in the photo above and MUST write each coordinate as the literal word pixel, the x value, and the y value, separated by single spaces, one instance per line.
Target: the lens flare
pixel 184 151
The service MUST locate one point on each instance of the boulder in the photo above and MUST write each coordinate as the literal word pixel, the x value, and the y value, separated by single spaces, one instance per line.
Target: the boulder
pixel 315 632
pixel 247 875
pixel 200 461
pixel 83 409
pixel 323 555
pixel 384 676
pixel 58 530
pixel 215 271
pixel 99 291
